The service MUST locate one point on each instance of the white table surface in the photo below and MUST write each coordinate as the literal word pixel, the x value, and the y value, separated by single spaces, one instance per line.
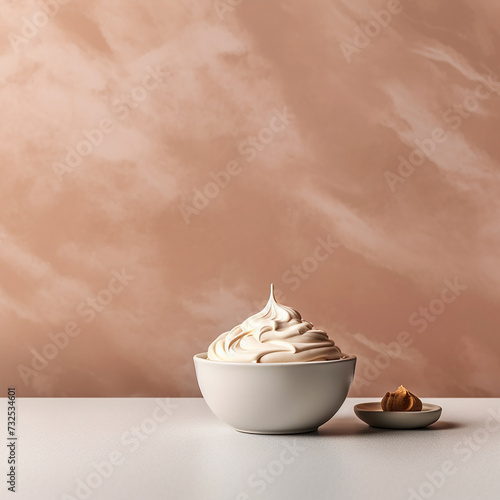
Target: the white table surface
pixel 190 455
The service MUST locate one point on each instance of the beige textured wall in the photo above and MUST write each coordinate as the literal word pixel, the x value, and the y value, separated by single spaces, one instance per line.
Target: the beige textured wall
pixel 163 162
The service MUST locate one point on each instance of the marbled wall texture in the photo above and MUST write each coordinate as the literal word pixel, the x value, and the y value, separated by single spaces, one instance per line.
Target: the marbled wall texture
pixel 163 162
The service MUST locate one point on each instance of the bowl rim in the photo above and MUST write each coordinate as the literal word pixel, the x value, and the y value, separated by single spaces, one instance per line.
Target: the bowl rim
pixel 202 357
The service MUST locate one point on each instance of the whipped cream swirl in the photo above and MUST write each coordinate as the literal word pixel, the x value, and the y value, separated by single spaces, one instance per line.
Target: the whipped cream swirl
pixel 277 334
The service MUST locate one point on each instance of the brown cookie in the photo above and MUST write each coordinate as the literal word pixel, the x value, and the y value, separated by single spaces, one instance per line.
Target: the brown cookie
pixel 401 400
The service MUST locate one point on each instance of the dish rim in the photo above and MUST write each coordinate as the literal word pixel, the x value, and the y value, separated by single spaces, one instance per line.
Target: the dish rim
pixel 431 408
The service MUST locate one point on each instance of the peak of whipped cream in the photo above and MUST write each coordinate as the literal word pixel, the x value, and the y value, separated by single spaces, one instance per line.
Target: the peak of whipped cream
pixel 277 334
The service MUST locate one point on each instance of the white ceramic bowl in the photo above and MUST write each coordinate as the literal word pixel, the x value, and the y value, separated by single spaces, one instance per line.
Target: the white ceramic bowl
pixel 275 398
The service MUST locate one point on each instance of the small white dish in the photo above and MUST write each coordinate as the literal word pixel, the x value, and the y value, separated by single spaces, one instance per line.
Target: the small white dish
pixel 373 415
